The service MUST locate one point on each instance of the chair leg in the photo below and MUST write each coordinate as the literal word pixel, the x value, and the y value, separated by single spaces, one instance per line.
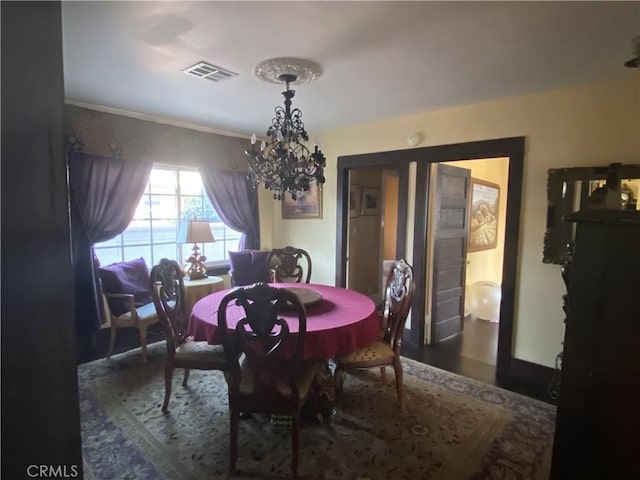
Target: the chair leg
pixel 295 442
pixel 397 366
pixel 186 377
pixel 383 374
pixel 143 341
pixel 314 400
pixel 338 380
pixel 168 374
pixel 112 340
pixel 234 419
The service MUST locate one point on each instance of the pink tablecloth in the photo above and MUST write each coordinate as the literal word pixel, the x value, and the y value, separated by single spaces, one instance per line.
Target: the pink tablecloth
pixel 341 322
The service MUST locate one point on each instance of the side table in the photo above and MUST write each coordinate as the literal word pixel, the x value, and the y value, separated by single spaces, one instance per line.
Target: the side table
pixel 196 289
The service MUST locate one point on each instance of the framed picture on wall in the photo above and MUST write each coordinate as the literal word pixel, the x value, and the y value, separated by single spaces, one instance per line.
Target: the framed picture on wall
pixel 355 200
pixel 483 224
pixel 306 205
pixel 370 201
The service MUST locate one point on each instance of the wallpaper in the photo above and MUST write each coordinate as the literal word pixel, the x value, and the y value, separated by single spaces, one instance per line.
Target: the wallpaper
pixel 109 134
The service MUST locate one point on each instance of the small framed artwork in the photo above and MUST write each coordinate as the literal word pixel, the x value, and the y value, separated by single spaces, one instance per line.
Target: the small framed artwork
pixel 355 201
pixel 370 201
pixel 306 205
pixel 483 224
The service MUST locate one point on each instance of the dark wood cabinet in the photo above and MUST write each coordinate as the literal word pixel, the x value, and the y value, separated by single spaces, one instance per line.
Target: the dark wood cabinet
pixel 598 423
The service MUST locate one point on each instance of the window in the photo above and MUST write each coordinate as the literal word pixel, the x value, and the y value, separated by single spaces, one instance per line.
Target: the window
pixel 172 197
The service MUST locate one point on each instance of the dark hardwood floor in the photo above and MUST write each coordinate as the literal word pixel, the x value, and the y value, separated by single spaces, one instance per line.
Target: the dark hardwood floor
pixel 473 354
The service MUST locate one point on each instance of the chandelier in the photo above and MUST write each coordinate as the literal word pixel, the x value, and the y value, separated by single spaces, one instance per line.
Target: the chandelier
pixel 635 61
pixel 284 163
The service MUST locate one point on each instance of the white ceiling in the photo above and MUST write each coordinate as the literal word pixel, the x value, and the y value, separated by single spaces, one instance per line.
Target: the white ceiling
pixel 380 59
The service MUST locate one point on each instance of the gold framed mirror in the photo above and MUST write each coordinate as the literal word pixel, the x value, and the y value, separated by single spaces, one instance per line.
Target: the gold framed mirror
pixel 569 190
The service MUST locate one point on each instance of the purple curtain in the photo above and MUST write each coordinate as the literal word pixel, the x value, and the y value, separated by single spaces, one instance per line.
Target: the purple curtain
pixel 236 201
pixel 104 194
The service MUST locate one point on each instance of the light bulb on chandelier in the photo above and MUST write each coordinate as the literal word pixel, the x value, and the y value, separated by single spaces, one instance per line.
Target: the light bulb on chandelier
pixel 284 163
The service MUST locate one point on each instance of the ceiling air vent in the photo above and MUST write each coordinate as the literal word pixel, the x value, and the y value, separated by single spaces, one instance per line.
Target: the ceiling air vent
pixel 210 72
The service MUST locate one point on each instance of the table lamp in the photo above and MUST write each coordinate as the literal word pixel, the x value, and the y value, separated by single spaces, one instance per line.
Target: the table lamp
pixel 196 231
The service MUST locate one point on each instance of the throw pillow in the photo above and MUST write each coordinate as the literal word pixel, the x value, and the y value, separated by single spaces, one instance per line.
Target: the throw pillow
pixel 126 277
pixel 249 267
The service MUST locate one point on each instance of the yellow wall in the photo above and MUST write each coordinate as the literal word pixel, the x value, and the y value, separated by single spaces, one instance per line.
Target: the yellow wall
pixel 581 126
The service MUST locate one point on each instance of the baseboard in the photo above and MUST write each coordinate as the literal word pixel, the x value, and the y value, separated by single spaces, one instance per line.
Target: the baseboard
pixel 532 373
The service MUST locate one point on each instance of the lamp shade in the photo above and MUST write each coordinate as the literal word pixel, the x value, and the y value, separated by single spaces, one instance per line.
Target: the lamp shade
pixel 195 231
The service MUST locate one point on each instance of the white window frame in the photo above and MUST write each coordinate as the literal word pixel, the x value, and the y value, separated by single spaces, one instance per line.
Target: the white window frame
pixel 228 237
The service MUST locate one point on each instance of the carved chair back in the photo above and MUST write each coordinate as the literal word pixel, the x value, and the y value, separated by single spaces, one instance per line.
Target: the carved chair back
pixel 167 289
pixel 290 264
pixel 264 339
pixel 397 303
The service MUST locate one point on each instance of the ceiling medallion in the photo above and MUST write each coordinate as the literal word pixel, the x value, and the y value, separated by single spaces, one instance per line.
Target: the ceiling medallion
pixel 272 69
pixel 284 163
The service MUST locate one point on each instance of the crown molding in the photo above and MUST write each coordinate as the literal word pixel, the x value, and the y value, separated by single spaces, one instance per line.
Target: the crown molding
pixel 152 118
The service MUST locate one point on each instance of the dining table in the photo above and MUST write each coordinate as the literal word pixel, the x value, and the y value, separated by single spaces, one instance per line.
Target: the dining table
pixel 339 320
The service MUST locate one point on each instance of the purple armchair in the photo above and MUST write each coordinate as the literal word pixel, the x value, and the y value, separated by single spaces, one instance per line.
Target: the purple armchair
pixel 127 299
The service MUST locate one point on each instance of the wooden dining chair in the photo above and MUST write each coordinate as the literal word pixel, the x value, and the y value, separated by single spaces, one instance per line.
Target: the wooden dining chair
pixel 167 288
pixel 386 350
pixel 289 264
pixel 272 377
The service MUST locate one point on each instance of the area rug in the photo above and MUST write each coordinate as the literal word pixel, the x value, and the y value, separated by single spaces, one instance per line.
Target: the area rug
pixel 450 428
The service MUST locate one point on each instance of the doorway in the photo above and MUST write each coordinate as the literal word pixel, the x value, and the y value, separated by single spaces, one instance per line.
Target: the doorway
pixel 511 148
pixel 476 190
pixel 464 278
pixel 373 229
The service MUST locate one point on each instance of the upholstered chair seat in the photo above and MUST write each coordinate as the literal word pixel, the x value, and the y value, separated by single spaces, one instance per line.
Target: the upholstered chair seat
pixel 145 313
pixel 376 352
pixel 195 352
pixel 304 379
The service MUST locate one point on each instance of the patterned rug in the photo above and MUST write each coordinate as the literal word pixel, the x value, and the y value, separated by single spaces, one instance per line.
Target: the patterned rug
pixel 451 428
